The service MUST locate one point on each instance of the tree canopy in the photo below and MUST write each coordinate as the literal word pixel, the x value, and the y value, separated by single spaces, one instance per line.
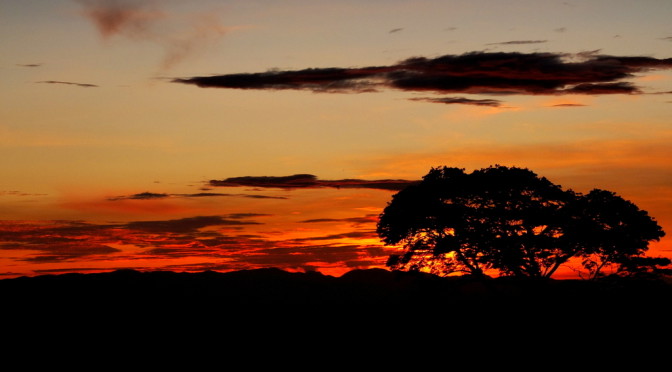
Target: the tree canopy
pixel 512 222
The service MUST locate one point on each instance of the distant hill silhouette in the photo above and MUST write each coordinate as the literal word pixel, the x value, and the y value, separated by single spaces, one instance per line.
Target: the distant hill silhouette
pixel 249 289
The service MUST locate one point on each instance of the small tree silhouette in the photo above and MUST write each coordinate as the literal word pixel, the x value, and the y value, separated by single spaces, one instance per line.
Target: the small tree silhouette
pixel 513 222
pixel 611 231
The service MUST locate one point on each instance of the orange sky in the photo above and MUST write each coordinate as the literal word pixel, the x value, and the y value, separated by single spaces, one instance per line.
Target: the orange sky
pixel 111 128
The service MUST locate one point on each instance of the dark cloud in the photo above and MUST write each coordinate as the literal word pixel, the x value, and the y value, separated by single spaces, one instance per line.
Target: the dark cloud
pixel 68 83
pixel 56 252
pixel 294 181
pixel 155 196
pixel 185 225
pixel 668 92
pixel 316 79
pixel 395 30
pixel 298 181
pixel 304 256
pixel 471 73
pixel 568 105
pixel 203 194
pixel 669 38
pixel 252 196
pixel 520 42
pixel 346 235
pixel 247 215
pixel 356 221
pixel 140 196
pixel 29 64
pixel 461 100
pixel 56 240
pixel 215 194
pixel 604 88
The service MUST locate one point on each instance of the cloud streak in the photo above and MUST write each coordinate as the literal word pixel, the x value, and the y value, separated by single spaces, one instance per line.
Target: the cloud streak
pixel 82 85
pixel 159 196
pixel 309 181
pixel 568 105
pixel 18 193
pixel 186 225
pixel 470 73
pixel 520 42
pixel 461 100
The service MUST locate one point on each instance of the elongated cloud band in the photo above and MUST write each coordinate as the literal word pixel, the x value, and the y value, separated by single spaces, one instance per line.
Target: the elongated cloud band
pixel 519 42
pixel 155 196
pixel 460 100
pixel 309 181
pixel 471 73
pixel 83 85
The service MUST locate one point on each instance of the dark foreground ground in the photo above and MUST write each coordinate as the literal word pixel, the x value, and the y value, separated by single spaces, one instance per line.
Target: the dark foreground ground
pixel 402 319
pixel 273 291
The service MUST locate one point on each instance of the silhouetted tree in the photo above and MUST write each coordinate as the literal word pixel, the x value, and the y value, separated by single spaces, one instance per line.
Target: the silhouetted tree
pixel 611 231
pixel 511 221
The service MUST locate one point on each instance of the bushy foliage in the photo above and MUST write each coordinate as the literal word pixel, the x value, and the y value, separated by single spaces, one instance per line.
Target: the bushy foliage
pixel 511 221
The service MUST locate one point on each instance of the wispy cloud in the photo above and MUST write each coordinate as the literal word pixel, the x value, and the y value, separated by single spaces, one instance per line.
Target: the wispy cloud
pixel 368 219
pixel 302 181
pixel 29 64
pixel 83 85
pixel 140 196
pixel 18 193
pixel 156 196
pixel 186 225
pixel 519 42
pixel 180 36
pixel 568 105
pixel 461 100
pixel 471 73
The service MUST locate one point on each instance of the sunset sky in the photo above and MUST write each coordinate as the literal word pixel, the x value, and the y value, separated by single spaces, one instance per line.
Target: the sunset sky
pixel 226 135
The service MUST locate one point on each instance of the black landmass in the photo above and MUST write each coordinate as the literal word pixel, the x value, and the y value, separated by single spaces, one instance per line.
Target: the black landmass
pixel 277 290
pixel 265 316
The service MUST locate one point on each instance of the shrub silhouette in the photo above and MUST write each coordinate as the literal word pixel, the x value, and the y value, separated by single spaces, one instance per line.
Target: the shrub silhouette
pixel 512 222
